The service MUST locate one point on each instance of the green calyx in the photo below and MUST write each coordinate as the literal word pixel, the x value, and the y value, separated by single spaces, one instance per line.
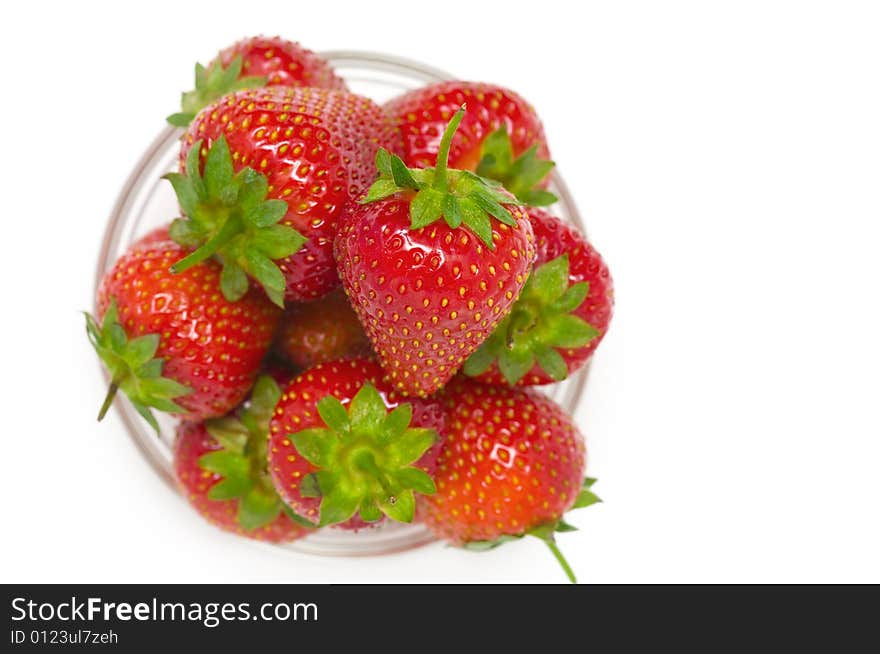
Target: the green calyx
pixel 458 196
pixel 546 532
pixel 134 368
pixel 212 83
pixel 228 216
pixel 242 459
pixel 365 458
pixel 519 175
pixel 540 323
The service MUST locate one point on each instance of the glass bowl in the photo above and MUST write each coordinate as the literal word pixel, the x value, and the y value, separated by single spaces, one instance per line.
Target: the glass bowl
pixel 146 201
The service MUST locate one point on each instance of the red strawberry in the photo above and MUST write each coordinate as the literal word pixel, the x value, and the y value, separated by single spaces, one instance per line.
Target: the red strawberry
pixel 429 291
pixel 501 137
pixel 173 342
pixel 512 466
pixel 312 151
pixel 321 331
pixel 221 466
pixel 252 63
pixel 341 448
pixel 559 319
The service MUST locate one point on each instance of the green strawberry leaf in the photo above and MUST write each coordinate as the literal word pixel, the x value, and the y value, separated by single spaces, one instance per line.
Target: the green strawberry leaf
pixel 409 447
pixel 316 446
pixel 337 506
pixel 572 298
pixel 484 545
pixel 212 84
pixel 229 488
pixel 514 363
pixel 400 507
pixel 295 517
pixel 397 421
pixel 519 175
pixel 369 512
pixel 551 362
pixel 133 367
pixel 334 414
pixel 562 526
pixel 586 497
pixel 367 410
pixel 233 282
pixel 417 479
pixel 258 508
pixel 226 463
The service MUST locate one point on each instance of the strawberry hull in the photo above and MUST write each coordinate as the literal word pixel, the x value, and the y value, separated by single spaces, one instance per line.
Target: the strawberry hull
pixel 193 442
pixel 316 148
pixel 554 239
pixel 298 411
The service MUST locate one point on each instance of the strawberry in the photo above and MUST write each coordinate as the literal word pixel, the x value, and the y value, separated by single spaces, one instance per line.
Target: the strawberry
pixel 173 342
pixel 308 151
pixel 321 331
pixel 560 318
pixel 252 63
pixel 156 235
pixel 512 466
pixel 344 450
pixel 221 466
pixel 430 291
pixel 501 137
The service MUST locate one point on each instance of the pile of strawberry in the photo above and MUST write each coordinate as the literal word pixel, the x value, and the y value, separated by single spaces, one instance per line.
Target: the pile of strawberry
pixel 353 305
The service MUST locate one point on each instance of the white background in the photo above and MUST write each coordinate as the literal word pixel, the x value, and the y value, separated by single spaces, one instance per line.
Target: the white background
pixel 726 156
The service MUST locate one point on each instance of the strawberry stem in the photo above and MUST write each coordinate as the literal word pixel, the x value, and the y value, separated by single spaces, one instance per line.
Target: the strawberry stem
pixel 365 458
pixel 440 182
pixel 108 399
pixel 561 559
pixel 231 228
pixel 367 462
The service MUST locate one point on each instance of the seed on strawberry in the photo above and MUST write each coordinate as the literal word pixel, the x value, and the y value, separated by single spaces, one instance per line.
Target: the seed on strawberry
pixel 221 466
pixel 560 317
pixel 309 151
pixel 430 291
pixel 344 450
pixel 501 136
pixel 320 331
pixel 172 341
pixel 512 466
pixel 252 63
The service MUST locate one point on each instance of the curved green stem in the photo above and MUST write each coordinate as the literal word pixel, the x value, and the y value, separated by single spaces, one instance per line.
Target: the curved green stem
pixel 367 462
pixel 230 230
pixel 443 154
pixel 108 399
pixel 561 559
pixel 522 319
